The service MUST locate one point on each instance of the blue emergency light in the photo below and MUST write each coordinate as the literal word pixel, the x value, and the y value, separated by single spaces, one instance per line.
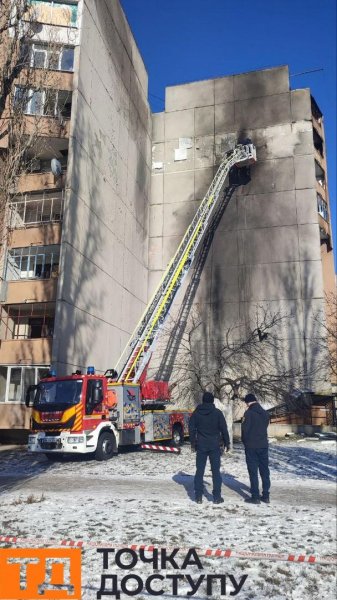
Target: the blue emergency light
pixel 91 371
pixel 52 372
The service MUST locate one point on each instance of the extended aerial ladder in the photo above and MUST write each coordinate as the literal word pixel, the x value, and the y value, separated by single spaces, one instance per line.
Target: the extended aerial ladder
pixel 137 352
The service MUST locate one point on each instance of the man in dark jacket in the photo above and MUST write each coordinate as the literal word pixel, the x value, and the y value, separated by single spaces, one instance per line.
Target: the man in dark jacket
pixel 208 436
pixel 255 439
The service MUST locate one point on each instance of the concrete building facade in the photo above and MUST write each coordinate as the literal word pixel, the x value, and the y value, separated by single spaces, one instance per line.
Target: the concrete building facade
pixel 85 250
pixel 272 248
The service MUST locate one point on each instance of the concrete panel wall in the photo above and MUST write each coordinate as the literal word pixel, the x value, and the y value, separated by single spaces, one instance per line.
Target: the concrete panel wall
pixel 266 249
pixel 104 253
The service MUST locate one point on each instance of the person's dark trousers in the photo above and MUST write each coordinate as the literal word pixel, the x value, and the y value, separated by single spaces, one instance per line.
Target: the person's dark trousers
pixel 201 459
pixel 257 462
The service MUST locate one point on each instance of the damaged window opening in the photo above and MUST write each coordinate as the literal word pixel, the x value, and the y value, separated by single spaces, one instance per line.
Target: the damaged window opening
pixel 318 143
pixel 316 113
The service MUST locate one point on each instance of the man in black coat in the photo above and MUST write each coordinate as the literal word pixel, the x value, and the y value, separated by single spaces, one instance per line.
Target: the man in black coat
pixel 255 439
pixel 208 436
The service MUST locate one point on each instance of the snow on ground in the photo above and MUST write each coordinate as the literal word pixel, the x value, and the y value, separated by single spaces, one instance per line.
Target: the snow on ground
pixel 146 498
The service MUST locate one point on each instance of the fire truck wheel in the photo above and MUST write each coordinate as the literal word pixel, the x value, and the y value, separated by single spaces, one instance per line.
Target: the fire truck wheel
pixel 105 446
pixel 177 435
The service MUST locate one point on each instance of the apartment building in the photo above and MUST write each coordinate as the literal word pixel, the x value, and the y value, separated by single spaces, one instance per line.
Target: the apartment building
pixel 273 247
pixel 75 253
pixel 109 189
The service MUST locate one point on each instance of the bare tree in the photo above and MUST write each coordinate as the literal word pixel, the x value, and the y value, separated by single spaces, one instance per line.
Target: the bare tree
pixel 16 30
pixel 29 92
pixel 327 322
pixel 247 358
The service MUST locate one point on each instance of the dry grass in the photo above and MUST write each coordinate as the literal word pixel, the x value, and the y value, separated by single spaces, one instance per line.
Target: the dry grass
pixel 31 499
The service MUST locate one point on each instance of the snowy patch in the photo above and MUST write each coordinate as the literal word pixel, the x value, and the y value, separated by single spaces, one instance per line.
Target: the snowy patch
pixel 143 498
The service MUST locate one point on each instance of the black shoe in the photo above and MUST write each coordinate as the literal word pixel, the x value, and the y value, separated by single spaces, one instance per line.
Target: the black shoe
pixel 252 501
pixel 218 501
pixel 265 499
pixel 198 500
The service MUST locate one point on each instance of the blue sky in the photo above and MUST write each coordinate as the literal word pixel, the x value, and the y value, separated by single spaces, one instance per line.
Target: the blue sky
pixel 187 40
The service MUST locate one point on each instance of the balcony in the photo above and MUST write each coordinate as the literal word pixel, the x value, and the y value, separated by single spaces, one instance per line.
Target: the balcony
pixel 36 209
pixel 27 321
pixel 47 111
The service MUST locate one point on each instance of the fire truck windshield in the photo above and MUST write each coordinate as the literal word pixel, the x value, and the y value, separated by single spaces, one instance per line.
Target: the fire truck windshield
pixel 58 392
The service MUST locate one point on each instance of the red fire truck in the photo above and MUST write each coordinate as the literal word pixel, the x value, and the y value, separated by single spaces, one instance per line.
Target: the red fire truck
pixel 92 414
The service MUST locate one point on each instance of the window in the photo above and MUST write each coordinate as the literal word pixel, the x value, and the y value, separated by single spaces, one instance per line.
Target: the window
pixel 34 210
pixel 57 59
pixel 27 321
pixel 63 104
pixel 15 379
pixel 56 392
pixel 48 102
pixel 322 208
pixel 92 385
pixel 55 12
pixel 35 262
pixel 67 59
pixel 14 393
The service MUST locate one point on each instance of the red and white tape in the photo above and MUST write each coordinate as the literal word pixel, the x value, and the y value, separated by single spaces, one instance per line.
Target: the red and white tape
pixel 207 552
pixel 160 448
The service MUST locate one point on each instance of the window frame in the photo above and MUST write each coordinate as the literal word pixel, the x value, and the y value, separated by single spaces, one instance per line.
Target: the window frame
pixel 40 47
pixel 9 368
pixel 50 256
pixel 56 112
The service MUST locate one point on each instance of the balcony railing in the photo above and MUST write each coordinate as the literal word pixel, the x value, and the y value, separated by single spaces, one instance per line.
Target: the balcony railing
pixel 27 321
pixel 33 211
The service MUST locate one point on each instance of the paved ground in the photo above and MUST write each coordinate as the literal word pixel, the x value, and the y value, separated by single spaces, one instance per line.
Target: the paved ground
pixel 309 494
